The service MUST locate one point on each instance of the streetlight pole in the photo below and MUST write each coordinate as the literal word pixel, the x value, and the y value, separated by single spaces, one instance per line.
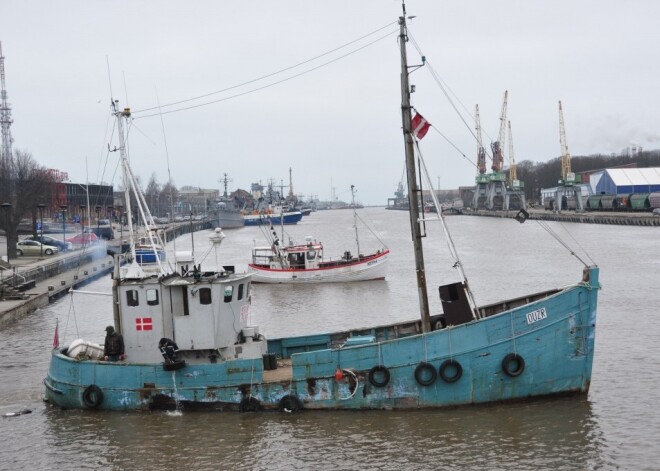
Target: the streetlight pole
pixel 98 222
pixel 6 207
pixel 82 221
pixel 111 216
pixel 41 207
pixel 63 208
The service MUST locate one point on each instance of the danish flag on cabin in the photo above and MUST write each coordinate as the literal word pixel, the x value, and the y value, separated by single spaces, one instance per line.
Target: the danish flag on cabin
pixel 143 323
pixel 420 126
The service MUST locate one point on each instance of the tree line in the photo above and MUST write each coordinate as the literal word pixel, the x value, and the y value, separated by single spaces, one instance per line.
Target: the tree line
pixel 539 175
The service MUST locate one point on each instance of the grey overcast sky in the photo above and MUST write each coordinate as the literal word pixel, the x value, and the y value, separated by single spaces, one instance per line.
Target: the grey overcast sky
pixel 338 124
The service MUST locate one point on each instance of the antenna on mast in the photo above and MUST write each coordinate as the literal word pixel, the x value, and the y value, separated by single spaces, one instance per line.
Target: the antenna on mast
pixel 5 116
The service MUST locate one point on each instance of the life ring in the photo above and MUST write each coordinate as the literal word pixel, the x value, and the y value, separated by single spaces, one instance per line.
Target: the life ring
pixel 448 364
pixel 290 403
pixel 379 371
pixel 419 373
pixel 249 404
pixel 92 396
pixel 509 360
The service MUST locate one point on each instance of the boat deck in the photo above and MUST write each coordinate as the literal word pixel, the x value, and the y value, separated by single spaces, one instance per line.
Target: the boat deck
pixel 283 372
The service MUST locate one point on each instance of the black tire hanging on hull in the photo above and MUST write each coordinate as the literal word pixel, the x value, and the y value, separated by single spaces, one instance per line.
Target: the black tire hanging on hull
pixel 92 396
pixel 513 365
pixel 175 365
pixel 448 364
pixel 379 376
pixel 249 404
pixel 419 374
pixel 290 403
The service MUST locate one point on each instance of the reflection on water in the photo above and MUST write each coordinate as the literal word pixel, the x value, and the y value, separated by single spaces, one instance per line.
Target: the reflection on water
pixel 556 434
pixel 616 426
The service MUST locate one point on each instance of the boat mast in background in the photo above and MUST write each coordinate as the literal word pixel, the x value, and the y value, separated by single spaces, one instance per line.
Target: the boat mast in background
pixel 357 239
pixel 413 188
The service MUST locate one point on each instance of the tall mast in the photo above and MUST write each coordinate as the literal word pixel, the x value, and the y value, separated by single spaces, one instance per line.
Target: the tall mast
pixel 413 189
pixel 357 240
pixel 124 162
pixel 5 116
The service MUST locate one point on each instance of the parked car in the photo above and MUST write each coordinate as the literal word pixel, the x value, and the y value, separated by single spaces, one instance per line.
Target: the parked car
pixel 102 232
pixel 83 239
pixel 32 247
pixel 656 212
pixel 48 240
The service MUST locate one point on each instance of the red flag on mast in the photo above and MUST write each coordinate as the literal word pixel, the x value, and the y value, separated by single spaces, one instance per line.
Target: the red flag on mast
pixel 420 126
pixel 56 337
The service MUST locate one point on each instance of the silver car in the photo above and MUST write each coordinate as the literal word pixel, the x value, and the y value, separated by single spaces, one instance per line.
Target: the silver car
pixel 32 247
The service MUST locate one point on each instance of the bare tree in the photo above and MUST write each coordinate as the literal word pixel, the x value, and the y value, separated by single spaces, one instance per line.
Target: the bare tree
pixel 168 197
pixel 152 195
pixel 24 184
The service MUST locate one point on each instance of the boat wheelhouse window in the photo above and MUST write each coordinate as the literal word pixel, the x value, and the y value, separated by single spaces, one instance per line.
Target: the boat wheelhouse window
pixel 311 254
pixel 152 297
pixel 240 292
pixel 205 296
pixel 229 291
pixel 132 298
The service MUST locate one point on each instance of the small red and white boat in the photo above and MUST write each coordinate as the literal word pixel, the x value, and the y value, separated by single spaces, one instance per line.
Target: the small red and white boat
pixel 305 264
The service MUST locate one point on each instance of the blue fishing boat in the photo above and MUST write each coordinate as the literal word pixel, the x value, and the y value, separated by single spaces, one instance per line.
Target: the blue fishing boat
pixel 188 344
pixel 273 216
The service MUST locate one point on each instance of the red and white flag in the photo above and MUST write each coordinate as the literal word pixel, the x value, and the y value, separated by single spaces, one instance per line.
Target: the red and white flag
pixel 143 323
pixel 56 337
pixel 420 126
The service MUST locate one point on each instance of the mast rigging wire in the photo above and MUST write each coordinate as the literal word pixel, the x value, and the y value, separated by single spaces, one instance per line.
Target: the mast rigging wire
pixel 268 76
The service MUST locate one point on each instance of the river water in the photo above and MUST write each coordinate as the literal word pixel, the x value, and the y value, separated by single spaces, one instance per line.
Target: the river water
pixel 617 426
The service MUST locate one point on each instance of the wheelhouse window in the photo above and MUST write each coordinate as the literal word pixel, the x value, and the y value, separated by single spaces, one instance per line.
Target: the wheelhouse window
pixel 229 292
pixel 240 292
pixel 205 296
pixel 132 298
pixel 152 297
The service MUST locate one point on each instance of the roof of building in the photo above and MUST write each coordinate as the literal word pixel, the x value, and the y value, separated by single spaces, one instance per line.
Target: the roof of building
pixel 635 176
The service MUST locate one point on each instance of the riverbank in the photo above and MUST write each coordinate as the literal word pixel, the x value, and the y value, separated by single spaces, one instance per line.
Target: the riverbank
pixel 31 283
pixel 611 218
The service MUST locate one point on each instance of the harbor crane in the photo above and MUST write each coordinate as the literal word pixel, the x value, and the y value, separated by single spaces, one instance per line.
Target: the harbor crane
pixel 513 173
pixel 497 146
pixel 482 179
pixel 481 152
pixel 496 188
pixel 568 190
pixel 515 195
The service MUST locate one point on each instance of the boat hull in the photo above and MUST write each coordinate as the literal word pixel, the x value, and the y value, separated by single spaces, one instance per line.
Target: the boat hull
pixel 292 217
pixel 229 220
pixel 372 268
pixel 388 367
pixel 147 255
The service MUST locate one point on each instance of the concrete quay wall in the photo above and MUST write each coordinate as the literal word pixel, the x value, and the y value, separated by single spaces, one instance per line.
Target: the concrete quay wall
pixel 621 219
pixel 54 279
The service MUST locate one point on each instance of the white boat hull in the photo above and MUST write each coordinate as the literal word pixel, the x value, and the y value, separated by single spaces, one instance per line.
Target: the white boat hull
pixel 372 268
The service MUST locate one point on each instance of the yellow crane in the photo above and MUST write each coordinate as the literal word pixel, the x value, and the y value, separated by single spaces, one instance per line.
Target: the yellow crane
pixel 496 147
pixel 569 195
pixel 513 174
pixel 567 177
pixel 481 152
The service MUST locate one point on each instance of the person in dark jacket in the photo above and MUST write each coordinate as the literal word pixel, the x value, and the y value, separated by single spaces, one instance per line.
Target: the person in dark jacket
pixel 169 349
pixel 113 350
